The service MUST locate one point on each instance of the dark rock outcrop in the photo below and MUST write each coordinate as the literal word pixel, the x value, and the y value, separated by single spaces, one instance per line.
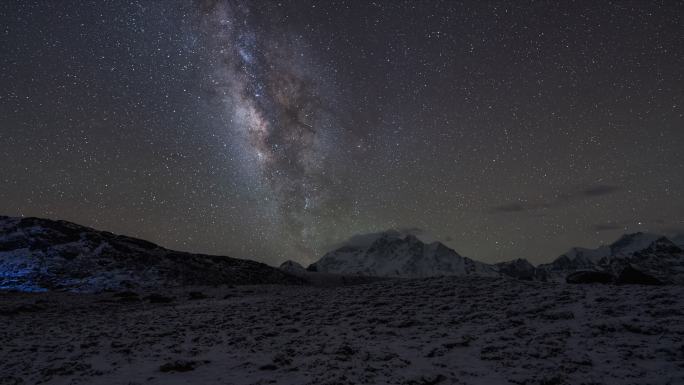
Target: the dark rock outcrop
pixel 632 276
pixel 590 277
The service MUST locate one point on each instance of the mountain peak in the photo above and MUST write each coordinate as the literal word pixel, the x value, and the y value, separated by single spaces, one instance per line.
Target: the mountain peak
pixel 291 267
pixel 662 245
pixel 521 269
pixel 393 253
pixel 630 243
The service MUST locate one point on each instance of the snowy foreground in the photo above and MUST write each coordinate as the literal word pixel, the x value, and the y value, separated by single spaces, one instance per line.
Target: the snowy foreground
pixel 427 331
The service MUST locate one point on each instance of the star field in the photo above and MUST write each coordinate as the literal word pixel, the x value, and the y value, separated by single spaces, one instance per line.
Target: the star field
pixel 274 130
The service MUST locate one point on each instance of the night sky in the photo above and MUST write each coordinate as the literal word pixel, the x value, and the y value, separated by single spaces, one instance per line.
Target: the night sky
pixel 275 130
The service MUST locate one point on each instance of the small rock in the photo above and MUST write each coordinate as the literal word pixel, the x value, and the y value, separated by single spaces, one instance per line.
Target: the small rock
pixel 23 308
pixel 158 298
pixel 127 296
pixel 428 380
pixel 180 366
pixel 197 295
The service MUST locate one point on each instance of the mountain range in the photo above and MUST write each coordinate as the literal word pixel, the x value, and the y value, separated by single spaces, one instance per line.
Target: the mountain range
pixel 40 254
pixel 396 254
pixel 652 254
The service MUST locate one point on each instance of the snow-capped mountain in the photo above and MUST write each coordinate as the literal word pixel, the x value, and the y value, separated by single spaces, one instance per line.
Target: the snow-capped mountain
pixel 628 244
pixel 678 240
pixel 521 269
pixel 662 259
pixel 292 267
pixel 577 258
pixel 651 254
pixel 393 254
pixel 41 254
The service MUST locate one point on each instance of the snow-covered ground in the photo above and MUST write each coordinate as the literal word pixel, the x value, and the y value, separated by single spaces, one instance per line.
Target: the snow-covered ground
pixel 454 330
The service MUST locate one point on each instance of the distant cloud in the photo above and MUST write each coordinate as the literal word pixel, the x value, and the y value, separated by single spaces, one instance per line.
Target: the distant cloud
pixel 560 200
pixel 601 189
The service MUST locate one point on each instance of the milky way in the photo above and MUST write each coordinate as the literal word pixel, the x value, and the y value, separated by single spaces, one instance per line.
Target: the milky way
pixel 276 114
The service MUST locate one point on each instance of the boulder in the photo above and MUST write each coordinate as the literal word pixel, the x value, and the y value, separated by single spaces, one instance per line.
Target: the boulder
pixel 632 276
pixel 589 276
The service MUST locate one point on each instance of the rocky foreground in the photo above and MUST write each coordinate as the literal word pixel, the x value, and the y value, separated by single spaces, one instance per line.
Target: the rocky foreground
pixel 423 331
